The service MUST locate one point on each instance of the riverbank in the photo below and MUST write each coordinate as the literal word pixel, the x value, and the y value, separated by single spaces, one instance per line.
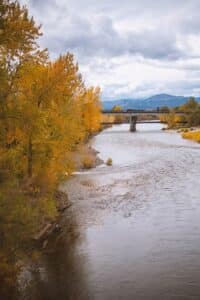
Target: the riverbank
pixel 85 158
pixel 193 135
pixel 189 133
pixel 44 240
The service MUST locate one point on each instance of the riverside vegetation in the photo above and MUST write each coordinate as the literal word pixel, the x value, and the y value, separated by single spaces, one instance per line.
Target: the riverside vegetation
pixel 190 120
pixel 192 135
pixel 46 113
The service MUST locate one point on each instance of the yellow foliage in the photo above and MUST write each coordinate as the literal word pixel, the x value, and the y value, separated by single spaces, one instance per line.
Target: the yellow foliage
pixel 91 110
pixel 108 118
pixel 46 112
pixel 190 115
pixel 192 135
pixel 172 119
pixel 117 118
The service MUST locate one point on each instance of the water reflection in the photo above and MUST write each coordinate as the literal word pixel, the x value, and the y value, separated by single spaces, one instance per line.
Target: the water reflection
pixel 60 272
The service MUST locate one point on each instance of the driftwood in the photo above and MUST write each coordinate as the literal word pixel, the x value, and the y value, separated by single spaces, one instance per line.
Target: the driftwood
pixel 44 232
pixel 62 201
pixel 62 204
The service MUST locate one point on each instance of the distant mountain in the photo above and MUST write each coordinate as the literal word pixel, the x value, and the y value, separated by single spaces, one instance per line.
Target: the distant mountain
pixel 165 100
pixel 148 103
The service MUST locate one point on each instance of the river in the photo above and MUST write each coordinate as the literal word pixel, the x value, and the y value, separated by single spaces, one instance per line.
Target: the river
pixel 133 230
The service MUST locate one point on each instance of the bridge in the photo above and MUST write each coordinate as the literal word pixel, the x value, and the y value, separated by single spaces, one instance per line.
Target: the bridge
pixel 133 116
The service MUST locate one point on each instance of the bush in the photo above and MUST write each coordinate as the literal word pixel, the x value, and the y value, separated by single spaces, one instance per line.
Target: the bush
pixel 192 135
pixel 109 162
pixel 87 162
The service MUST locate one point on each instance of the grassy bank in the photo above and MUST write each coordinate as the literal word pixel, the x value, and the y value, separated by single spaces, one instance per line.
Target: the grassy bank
pixel 192 135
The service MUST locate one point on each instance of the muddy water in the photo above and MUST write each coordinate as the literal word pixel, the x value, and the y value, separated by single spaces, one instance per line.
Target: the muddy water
pixel 133 231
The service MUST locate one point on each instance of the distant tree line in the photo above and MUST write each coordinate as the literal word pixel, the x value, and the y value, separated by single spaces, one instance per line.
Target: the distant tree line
pixel 191 118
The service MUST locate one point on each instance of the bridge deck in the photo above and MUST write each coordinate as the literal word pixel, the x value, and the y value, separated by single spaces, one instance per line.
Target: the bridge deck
pixel 142 112
pixel 138 122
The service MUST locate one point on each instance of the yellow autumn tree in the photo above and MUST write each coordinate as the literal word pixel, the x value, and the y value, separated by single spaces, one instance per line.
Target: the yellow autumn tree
pixel 91 110
pixel 18 35
pixel 46 112
pixel 118 118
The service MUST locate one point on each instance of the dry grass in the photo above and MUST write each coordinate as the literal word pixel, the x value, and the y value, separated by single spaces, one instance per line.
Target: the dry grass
pixel 192 135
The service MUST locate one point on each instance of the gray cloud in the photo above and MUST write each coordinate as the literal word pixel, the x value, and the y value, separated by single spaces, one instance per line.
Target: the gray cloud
pixel 103 34
pixel 102 39
pixel 96 35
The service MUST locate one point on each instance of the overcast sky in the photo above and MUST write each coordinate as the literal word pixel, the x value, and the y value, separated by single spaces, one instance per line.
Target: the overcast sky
pixel 130 48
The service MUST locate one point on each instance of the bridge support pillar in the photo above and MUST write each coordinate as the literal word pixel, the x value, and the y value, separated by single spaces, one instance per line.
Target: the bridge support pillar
pixel 133 121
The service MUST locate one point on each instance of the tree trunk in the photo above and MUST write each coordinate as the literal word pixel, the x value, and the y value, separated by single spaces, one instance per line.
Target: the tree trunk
pixel 30 157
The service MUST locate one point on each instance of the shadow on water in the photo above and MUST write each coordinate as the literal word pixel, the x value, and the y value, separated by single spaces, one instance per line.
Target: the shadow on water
pixel 59 269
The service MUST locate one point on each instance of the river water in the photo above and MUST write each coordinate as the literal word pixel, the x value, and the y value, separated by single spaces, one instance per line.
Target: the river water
pixel 133 230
